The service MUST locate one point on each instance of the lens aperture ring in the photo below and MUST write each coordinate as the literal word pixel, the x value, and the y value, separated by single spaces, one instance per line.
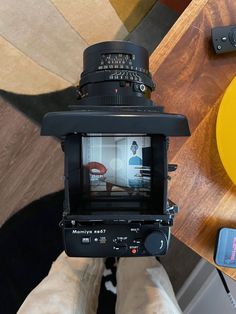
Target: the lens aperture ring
pixel 117 75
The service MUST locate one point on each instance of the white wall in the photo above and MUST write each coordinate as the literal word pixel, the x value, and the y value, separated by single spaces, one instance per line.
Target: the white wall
pixel 121 157
pixel 100 149
pixel 108 155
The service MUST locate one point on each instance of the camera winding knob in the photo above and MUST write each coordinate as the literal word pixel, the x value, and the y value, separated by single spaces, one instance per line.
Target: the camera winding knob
pixel 156 243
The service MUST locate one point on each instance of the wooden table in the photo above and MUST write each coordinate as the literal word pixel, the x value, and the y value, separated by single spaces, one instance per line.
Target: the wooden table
pixel 191 80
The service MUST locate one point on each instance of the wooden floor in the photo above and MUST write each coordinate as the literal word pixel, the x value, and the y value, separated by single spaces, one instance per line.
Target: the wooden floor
pixel 31 166
pixel 191 80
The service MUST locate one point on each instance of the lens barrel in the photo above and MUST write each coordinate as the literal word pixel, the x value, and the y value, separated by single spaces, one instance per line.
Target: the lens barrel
pixel 115 73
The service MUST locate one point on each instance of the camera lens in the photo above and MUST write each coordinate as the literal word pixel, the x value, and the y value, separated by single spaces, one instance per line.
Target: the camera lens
pixel 115 73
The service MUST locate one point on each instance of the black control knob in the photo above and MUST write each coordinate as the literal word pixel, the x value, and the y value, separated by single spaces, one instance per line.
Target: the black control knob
pixel 156 243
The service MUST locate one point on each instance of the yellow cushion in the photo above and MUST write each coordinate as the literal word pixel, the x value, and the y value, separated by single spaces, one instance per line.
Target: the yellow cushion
pixel 226 130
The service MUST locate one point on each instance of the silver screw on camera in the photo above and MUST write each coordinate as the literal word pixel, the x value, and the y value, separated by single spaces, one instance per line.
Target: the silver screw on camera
pixel 142 87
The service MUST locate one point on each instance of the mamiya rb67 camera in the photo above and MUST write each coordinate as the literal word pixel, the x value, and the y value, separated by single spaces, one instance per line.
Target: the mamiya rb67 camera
pixel 115 143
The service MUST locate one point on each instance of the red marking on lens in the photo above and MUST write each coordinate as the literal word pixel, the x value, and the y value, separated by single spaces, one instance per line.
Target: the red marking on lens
pixel 133 251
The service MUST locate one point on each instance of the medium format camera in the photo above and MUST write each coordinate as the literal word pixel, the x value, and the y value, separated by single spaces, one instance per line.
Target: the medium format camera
pixel 115 143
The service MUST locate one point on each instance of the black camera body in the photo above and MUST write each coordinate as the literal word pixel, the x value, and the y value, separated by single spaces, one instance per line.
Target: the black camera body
pixel 116 171
pixel 119 238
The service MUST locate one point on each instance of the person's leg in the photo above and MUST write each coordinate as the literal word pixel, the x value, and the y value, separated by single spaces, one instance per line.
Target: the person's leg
pixel 143 286
pixel 72 286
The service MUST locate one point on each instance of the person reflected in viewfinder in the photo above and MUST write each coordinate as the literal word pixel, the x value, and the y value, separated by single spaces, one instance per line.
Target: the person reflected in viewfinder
pixel 135 160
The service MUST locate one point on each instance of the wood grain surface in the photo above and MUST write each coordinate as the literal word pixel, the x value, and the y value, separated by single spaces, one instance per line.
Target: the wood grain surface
pixel 175 33
pixel 191 80
pixel 30 166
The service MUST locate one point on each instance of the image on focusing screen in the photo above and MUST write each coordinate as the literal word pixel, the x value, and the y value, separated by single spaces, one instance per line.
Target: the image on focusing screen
pixel 117 165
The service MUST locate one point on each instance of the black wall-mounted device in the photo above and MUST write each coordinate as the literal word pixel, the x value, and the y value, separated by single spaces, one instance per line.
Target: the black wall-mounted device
pixel 224 39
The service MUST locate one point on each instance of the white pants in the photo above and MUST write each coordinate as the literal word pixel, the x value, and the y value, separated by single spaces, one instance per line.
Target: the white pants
pixel 72 287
